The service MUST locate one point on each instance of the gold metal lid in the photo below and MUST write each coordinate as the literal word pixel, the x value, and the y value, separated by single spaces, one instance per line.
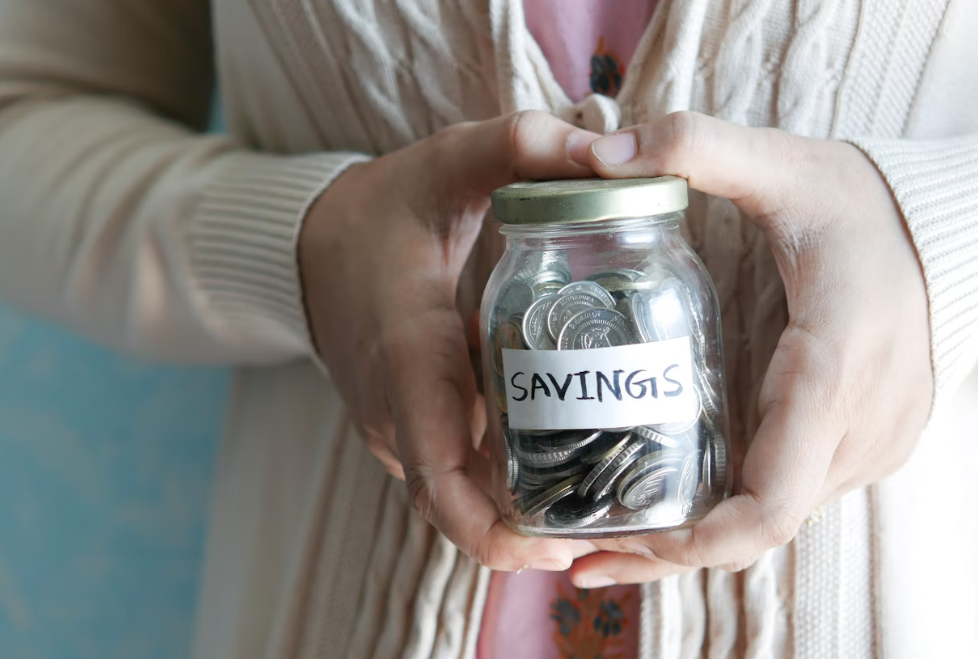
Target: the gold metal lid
pixel 588 200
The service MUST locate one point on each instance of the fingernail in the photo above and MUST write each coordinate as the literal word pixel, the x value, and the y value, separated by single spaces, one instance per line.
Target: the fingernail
pixel 595 581
pixel 549 565
pixel 637 548
pixel 615 149
pixel 577 146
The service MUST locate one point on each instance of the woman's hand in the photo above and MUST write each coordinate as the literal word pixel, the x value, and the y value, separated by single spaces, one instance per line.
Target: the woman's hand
pixel 380 254
pixel 849 388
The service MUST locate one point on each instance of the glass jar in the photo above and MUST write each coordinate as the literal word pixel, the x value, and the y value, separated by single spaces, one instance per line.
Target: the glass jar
pixel 602 362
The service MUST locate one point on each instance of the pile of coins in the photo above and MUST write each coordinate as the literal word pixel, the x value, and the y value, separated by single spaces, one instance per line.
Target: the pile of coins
pixel 577 479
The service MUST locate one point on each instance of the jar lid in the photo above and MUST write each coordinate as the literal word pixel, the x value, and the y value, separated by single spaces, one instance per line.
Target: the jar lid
pixel 588 200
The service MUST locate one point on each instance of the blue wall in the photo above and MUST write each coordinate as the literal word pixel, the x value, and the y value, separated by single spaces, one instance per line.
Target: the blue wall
pixel 104 476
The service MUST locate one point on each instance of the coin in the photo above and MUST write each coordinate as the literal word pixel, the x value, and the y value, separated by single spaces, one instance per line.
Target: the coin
pixel 547 264
pixel 679 427
pixel 543 457
pixel 645 484
pixel 602 465
pixel 606 448
pixel 667 312
pixel 689 479
pixel 719 448
pixel 507 335
pixel 706 476
pixel 549 497
pixel 535 331
pixel 533 477
pixel 575 512
pixel 547 288
pixel 657 437
pixel 556 274
pixel 568 306
pixel 512 464
pixel 711 399
pixel 623 282
pixel 539 433
pixel 621 462
pixel 568 439
pixel 589 287
pixel 635 308
pixel 625 289
pixel 594 328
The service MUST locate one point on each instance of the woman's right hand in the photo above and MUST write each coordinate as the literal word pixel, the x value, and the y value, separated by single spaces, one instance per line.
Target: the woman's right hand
pixel 381 252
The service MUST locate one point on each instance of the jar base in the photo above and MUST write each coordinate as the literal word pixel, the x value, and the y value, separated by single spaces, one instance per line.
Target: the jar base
pixel 608 530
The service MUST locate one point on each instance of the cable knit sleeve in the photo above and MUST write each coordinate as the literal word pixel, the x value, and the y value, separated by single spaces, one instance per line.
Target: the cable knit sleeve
pixel 118 217
pixel 936 185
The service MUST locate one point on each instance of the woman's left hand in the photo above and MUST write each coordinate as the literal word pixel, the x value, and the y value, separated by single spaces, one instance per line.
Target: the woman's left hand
pixel 849 388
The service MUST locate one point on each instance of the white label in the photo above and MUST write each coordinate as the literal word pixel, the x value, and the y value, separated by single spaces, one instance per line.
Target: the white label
pixel 633 385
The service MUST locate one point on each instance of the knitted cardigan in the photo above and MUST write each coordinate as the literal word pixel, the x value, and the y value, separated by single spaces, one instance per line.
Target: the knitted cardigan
pixel 120 219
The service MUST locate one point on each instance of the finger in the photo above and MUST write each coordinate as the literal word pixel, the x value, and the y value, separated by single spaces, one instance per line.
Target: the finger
pixel 784 469
pixel 390 463
pixel 609 568
pixel 529 145
pixel 745 165
pixel 382 449
pixel 432 392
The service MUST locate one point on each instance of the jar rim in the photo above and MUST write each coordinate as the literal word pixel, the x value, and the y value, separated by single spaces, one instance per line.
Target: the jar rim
pixel 589 200
pixel 612 224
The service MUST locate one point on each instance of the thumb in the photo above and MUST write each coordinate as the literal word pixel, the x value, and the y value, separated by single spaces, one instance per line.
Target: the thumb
pixel 749 166
pixel 528 145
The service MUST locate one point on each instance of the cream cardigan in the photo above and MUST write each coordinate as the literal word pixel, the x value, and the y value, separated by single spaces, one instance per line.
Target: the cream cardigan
pixel 119 219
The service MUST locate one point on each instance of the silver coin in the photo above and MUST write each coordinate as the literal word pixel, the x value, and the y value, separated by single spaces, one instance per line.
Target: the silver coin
pixel 554 274
pixel 624 290
pixel 544 459
pixel 539 433
pixel 602 465
pixel 719 447
pixel 541 457
pixel 535 332
pixel 623 283
pixel 689 479
pixel 547 288
pixel 674 428
pixel 575 512
pixel 589 287
pixel 617 275
pixel 645 484
pixel 653 436
pixel 612 277
pixel 568 306
pixel 539 265
pixel 635 308
pixel 567 439
pixel 594 328
pixel 706 473
pixel 512 464
pixel 512 471
pixel 619 464
pixel 534 477
pixel 549 497
pixel 606 448
pixel 668 314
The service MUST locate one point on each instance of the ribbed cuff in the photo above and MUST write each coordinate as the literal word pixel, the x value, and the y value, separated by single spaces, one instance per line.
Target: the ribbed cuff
pixel 936 185
pixel 243 247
